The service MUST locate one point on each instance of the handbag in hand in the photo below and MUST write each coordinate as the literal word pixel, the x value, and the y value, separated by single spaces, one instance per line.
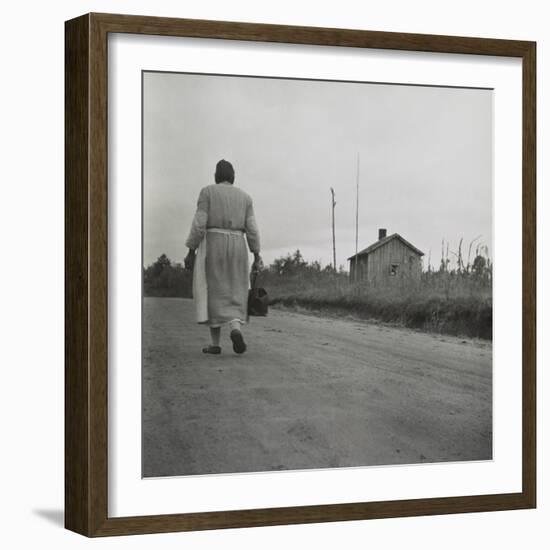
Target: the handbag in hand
pixel 258 299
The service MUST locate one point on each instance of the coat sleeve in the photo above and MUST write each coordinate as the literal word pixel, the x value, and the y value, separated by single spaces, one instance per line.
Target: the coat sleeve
pixel 200 220
pixel 251 229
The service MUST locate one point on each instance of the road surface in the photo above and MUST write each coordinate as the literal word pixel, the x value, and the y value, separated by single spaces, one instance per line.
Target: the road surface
pixel 311 392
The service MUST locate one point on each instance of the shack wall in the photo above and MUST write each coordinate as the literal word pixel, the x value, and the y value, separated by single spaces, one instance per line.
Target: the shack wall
pixel 393 260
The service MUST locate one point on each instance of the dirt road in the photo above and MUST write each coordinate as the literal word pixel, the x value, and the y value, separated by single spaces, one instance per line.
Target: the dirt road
pixel 310 392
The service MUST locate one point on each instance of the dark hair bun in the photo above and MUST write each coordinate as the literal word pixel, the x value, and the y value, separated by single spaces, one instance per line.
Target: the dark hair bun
pixel 224 172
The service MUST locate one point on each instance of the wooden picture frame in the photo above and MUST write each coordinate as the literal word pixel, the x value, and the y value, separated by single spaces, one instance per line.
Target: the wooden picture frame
pixel 86 280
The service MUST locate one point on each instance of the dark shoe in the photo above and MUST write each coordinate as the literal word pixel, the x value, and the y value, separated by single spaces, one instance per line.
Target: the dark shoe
pixel 216 350
pixel 238 341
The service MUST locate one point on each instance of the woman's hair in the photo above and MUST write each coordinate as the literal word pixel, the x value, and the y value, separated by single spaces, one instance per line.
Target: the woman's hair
pixel 224 172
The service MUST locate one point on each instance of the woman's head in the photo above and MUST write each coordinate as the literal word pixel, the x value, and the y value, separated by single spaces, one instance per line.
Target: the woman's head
pixel 224 172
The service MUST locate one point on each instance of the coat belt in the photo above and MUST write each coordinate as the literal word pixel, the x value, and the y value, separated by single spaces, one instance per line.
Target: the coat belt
pixel 238 232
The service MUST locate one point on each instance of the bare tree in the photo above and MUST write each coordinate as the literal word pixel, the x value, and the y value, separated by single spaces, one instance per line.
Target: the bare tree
pixel 333 203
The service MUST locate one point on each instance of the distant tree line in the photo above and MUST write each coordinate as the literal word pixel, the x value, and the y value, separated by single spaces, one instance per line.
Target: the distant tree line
pixel 164 278
pixel 295 264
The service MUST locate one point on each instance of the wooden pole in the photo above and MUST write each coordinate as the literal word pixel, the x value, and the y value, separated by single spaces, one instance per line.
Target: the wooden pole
pixel 357 219
pixel 333 202
pixel 357 207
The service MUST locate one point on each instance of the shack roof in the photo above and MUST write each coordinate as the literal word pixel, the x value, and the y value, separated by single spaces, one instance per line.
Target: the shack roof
pixel 384 241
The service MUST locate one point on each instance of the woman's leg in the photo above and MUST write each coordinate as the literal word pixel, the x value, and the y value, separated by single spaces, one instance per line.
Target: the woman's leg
pixel 235 325
pixel 215 336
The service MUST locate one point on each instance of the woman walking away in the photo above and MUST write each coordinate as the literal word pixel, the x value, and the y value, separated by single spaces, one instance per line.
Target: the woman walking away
pixel 219 258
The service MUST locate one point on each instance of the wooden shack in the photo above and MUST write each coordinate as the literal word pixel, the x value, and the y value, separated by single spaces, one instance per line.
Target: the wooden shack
pixel 390 258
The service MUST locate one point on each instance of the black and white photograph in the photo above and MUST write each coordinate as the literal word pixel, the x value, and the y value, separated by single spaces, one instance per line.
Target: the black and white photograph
pixel 317 274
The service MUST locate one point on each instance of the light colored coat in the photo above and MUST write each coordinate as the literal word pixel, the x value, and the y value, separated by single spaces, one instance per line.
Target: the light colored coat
pixel 220 278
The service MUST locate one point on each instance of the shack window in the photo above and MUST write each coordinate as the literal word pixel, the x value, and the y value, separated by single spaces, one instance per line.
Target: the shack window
pixel 393 269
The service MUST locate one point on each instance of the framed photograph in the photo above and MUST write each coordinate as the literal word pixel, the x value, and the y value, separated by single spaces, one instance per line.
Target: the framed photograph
pixel 300 274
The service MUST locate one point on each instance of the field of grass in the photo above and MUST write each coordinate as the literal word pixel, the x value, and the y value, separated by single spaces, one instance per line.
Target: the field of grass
pixel 447 303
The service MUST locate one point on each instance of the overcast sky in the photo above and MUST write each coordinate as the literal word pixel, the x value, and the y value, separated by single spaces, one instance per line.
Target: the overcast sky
pixel 425 161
